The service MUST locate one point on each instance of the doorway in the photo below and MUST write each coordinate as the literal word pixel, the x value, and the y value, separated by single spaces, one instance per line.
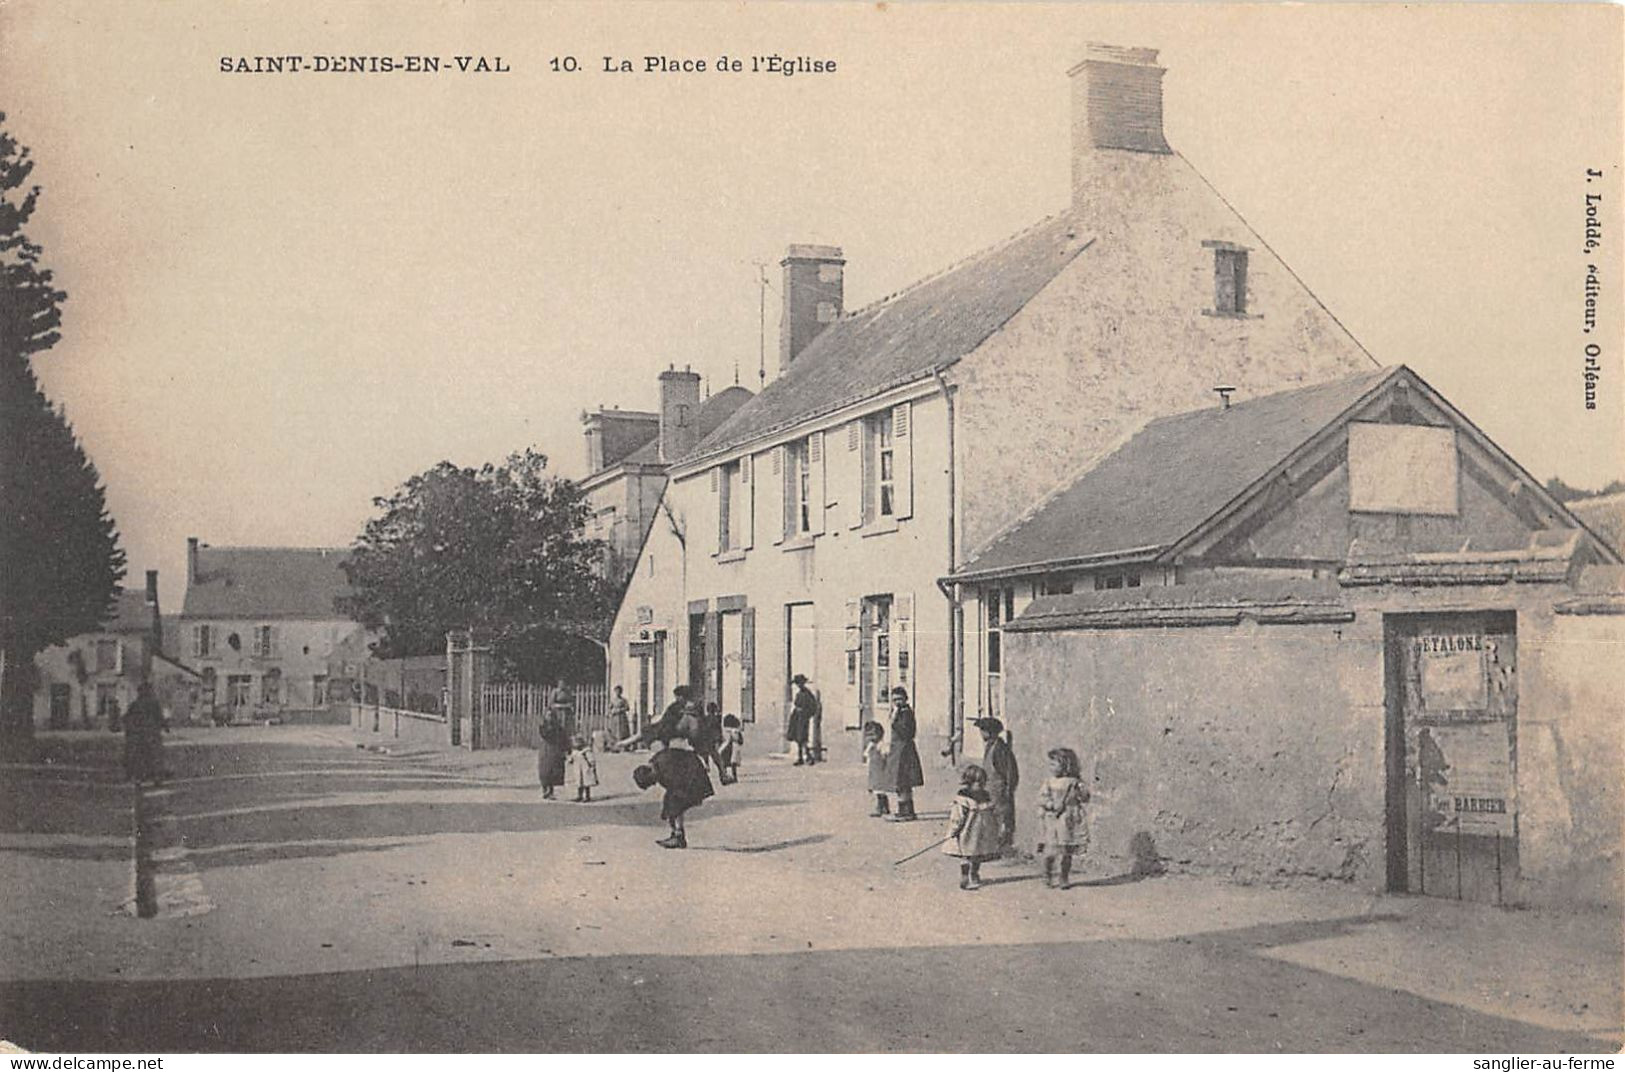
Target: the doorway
pixel 1452 705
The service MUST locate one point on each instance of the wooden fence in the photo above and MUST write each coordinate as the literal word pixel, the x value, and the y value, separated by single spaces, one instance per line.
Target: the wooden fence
pixel 511 713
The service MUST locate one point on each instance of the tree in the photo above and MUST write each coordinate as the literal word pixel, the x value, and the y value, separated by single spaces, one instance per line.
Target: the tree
pixel 500 550
pixel 60 563
pixel 1563 492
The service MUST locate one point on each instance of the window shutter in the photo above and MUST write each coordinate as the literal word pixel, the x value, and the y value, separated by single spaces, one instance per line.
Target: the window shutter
pixel 747 668
pixel 746 512
pixel 853 654
pixel 782 484
pixel 276 642
pixel 815 484
pixel 716 510
pixel 118 656
pixel 197 640
pixel 712 683
pixel 864 475
pixel 903 459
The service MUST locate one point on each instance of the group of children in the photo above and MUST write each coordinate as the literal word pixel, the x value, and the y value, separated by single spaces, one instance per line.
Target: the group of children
pixel 974 834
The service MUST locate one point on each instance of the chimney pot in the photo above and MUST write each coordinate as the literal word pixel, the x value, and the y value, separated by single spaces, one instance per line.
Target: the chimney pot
pixel 1116 105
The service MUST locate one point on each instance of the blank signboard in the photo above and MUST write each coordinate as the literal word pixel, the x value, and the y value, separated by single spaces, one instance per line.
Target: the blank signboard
pixel 1402 469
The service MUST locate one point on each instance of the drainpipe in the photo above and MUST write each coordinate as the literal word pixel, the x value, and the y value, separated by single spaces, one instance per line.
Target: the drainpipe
pixel 955 611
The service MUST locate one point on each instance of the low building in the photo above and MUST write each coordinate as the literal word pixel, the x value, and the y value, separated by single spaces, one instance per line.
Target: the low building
pixel 1333 632
pixel 90 680
pixel 260 625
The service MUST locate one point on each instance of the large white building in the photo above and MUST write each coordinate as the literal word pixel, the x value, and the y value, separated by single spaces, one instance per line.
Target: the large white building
pixel 811 531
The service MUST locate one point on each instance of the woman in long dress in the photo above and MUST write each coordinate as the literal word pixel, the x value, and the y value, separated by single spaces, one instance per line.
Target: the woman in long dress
pixel 552 748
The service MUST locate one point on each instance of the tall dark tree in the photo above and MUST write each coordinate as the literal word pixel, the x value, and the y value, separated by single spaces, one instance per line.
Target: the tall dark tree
pixel 60 562
pixel 501 550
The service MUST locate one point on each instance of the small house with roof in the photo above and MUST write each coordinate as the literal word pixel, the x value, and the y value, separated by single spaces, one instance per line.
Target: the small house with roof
pixel 808 532
pixel 260 623
pixel 91 679
pixel 1332 632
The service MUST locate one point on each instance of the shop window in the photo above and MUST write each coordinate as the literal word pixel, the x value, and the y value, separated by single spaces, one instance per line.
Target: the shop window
pixel 271 687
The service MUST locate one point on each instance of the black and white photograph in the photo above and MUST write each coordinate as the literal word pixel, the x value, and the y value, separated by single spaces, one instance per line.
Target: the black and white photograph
pixel 851 528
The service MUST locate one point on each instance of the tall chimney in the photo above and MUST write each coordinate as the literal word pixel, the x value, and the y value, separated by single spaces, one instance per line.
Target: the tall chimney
pixel 191 561
pixel 679 412
pixel 813 290
pixel 1116 104
pixel 157 624
pixel 593 430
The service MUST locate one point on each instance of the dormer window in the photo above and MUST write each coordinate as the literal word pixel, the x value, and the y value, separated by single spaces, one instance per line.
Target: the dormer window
pixel 1229 279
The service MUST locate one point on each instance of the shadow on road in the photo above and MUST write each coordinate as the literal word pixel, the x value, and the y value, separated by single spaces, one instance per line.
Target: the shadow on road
pixel 1211 995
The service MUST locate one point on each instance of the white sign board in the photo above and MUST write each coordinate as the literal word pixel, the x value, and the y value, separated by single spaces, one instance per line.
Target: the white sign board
pixel 1402 469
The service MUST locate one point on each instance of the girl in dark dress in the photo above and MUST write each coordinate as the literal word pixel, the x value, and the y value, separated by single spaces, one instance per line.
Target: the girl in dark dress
pixel 904 761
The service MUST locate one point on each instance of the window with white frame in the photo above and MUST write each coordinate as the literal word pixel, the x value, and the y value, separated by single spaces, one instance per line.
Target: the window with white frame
pixel 797 489
pixel 1118 579
pixel 999 605
pixel 880 498
pixel 728 507
pixel 265 641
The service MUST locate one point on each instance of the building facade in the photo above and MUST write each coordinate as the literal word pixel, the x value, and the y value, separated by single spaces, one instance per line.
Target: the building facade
pixel 809 532
pixel 260 625
pixel 629 453
pixel 89 681
pixel 1332 632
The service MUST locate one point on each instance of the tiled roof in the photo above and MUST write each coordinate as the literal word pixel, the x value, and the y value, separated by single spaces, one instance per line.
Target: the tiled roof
pixel 902 338
pixel 716 409
pixel 1173 475
pixel 1219 602
pixel 1604 515
pixel 267 582
pixel 131 614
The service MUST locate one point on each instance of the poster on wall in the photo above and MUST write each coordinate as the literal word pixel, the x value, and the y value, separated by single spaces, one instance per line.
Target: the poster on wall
pixel 1468 771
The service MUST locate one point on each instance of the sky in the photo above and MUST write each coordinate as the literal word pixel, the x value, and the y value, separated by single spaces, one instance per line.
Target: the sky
pixel 289 293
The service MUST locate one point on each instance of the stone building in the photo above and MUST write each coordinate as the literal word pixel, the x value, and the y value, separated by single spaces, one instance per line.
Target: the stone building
pixel 629 452
pixel 808 532
pixel 91 679
pixel 1331 632
pixel 260 624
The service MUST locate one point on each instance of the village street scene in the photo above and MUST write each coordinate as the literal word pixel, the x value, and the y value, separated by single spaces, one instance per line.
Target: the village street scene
pixel 1075 637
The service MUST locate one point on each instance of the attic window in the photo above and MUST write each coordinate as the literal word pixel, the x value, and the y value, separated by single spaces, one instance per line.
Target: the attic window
pixel 1229 279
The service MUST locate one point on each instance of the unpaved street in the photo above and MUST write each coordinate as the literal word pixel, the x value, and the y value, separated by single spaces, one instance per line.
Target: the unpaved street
pixel 312 896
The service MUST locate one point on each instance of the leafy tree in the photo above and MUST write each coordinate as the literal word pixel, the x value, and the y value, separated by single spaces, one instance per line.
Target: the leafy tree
pixel 1563 492
pixel 60 562
pixel 500 550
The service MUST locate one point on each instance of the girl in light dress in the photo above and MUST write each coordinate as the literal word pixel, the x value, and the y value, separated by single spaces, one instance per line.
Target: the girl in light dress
pixel 1061 828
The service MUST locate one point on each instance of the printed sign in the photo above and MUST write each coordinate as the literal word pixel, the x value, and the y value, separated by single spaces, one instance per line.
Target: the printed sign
pixel 1468 771
pixel 1453 677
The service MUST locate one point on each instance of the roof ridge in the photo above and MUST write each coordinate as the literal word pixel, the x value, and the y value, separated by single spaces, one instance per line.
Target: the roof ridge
pixel 953 266
pixel 1276 396
pixel 266 547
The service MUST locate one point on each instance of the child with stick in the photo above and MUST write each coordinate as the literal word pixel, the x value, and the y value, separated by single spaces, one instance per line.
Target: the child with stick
pixel 973 827
pixel 1060 816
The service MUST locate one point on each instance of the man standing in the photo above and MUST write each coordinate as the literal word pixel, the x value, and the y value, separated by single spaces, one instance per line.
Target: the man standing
pixel 143 737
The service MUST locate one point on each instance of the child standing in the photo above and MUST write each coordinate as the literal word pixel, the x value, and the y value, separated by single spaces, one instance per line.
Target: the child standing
pixel 1060 816
pixel 581 769
pixel 682 774
pixel 733 747
pixel 973 827
pixel 874 757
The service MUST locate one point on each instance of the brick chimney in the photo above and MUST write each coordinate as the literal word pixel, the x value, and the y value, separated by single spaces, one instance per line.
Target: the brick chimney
pixel 191 561
pixel 813 288
pixel 157 625
pixel 679 412
pixel 1116 105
